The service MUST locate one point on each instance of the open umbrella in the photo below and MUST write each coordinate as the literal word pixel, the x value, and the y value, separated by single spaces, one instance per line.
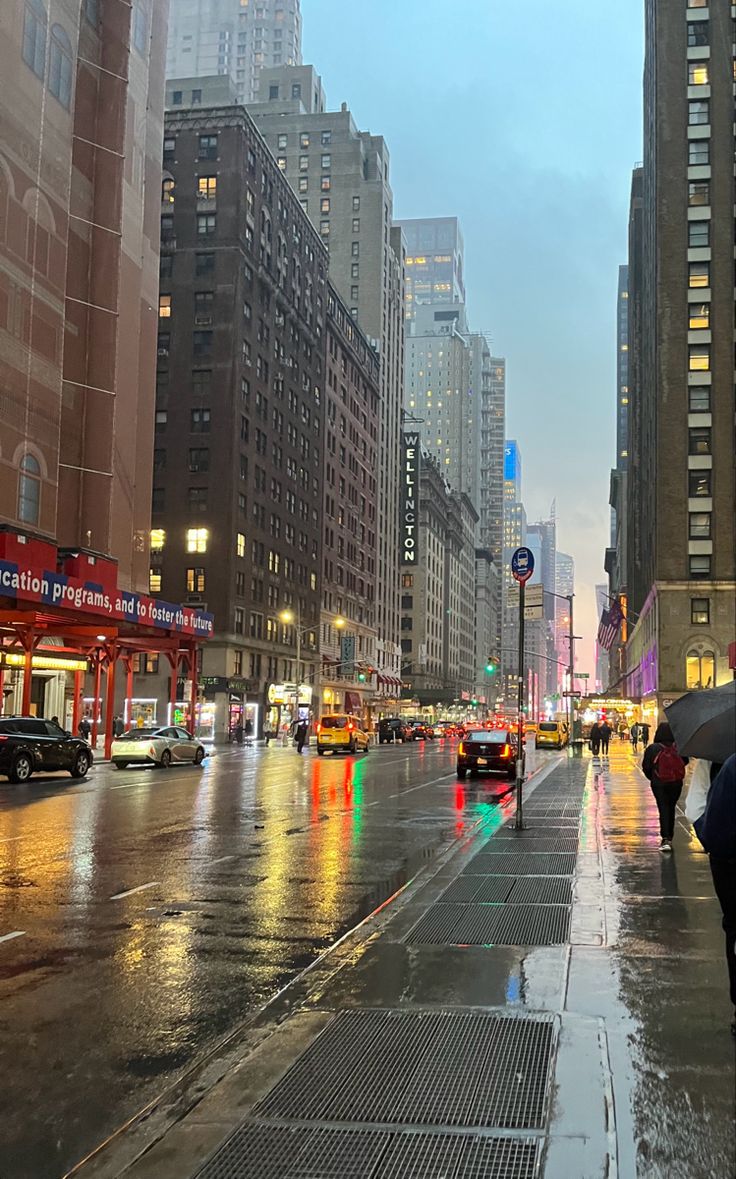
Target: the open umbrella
pixel 704 723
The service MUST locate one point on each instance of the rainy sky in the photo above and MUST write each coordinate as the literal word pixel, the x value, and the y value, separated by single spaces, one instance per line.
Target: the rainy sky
pixel 524 120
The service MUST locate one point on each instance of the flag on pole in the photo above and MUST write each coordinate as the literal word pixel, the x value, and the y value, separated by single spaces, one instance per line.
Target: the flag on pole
pixel 610 625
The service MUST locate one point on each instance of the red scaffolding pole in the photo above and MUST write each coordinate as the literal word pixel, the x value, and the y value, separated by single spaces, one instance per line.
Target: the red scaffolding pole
pixel 112 655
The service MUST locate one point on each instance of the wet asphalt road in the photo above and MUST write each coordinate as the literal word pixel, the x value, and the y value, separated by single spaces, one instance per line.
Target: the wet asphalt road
pixel 158 909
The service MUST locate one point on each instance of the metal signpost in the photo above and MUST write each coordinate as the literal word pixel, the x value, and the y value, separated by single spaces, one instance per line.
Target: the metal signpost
pixel 522 568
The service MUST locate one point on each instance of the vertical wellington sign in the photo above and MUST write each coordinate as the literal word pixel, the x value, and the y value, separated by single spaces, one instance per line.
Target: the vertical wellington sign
pixel 410 500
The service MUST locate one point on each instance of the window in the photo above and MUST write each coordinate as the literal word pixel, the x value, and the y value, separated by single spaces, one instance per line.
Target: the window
pixel 90 11
pixel 697 73
pixel 697 30
pixel 699 358
pixel 699 440
pixel 356 224
pixel 273 91
pixel 699 274
pixel 200 421
pixel 167 228
pixel 407 581
pixel 324 228
pixel 700 669
pixel 197 539
pixel 296 90
pixel 698 193
pixel 303 184
pixel 700 565
pixel 698 112
pixel 699 398
pixel 207 188
pixel 303 163
pixel 29 490
pixel 324 205
pixel 201 343
pixel 160 419
pixel 158 539
pixel 698 151
pixel 281 142
pixel 355 249
pixel 34 37
pixel 326 162
pixel 326 184
pixel 698 316
pixel 700 525
pixel 169 148
pixel 239 620
pixel 60 66
pixel 203 301
pixel 700 611
pixel 356 204
pixel 199 459
pixel 166 265
pixel 159 460
pixel 699 484
pixel 304 139
pixel 167 191
pixel 281 161
pixel 206 224
pixel 204 264
pixel 196 97
pixel 201 382
pixel 698 234
pixel 154 581
pixel 195 580
pixel 208 147
pixel 197 499
pixel 164 306
pixel 355 270
pixel 158 499
pixel 325 138
pixel 240 544
pixel 177 97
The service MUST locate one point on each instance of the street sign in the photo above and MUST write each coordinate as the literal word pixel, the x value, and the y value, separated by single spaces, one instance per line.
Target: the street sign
pixel 571 695
pixel 580 675
pixel 534 603
pixel 522 565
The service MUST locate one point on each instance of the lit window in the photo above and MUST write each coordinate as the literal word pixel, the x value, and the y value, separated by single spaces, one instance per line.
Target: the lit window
pixel 206 187
pixel 158 539
pixel 324 228
pixel 697 73
pixel 34 37
pixel 326 184
pixel 60 66
pixel 699 274
pixel 698 316
pixel 197 539
pixel 164 306
pixel 304 139
pixel 154 581
pixel 700 669
pixel 29 490
pixel 324 205
pixel 240 544
pixel 195 580
pixel 167 191
pixel 699 484
pixel 699 358
pixel 281 161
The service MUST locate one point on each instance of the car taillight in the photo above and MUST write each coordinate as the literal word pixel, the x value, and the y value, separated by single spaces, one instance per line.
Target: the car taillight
pixel 461 748
pixel 3 736
pixel 350 728
pixel 319 729
pixel 506 751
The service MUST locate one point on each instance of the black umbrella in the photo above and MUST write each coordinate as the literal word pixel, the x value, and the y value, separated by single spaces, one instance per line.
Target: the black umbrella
pixel 704 723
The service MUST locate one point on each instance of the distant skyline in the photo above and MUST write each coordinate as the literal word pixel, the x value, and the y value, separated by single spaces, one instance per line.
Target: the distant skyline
pixel 524 121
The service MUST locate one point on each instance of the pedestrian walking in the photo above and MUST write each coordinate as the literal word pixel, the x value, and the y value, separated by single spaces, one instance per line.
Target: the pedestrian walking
pixel 239 732
pixel 300 735
pixel 118 727
pixel 84 728
pixel 665 769
pixel 606 731
pixel 644 734
pixel 595 739
pixel 718 835
pixel 635 737
pixel 248 727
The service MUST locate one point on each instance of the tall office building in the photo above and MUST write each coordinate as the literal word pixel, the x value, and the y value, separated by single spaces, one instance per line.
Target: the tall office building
pixel 237 38
pixel 565 585
pixel 622 380
pixel 434 262
pixel 682 473
pixel 341 178
pixel 514 535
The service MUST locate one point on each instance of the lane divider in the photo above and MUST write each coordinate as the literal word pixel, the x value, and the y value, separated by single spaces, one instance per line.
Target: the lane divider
pixel 129 892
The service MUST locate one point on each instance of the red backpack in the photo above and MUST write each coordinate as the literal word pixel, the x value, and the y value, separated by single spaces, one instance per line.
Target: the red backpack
pixel 668 765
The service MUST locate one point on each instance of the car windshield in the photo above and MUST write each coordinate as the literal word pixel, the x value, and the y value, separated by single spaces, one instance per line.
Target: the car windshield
pixel 547 727
pixel 334 722
pixel 140 734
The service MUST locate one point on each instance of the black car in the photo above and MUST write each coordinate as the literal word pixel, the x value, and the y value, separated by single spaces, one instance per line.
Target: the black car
pixel 484 752
pixel 32 746
pixel 392 728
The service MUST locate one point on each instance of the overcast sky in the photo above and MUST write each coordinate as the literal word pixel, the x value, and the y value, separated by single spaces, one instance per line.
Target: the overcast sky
pixel 523 120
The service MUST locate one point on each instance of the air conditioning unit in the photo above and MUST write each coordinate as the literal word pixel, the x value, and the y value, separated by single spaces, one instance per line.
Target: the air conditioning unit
pixel 202 320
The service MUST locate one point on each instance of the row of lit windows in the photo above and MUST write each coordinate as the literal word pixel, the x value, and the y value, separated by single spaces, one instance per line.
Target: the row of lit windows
pixel 282 140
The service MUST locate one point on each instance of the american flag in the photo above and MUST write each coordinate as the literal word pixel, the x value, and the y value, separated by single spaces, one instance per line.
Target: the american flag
pixel 610 625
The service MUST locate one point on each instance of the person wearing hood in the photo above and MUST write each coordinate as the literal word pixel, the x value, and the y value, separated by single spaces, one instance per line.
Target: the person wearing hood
pixel 665 769
pixel 718 836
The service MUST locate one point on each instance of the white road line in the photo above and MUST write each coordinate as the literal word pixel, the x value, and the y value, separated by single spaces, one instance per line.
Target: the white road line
pixel 220 861
pixel 8 937
pixel 129 892
pixel 10 838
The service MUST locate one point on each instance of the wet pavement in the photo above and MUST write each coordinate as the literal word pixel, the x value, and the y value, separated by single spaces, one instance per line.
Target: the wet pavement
pixel 599 1046
pixel 145 914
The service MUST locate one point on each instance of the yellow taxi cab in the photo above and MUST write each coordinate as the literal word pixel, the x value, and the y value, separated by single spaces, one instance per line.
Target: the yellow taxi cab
pixel 341 732
pixel 551 735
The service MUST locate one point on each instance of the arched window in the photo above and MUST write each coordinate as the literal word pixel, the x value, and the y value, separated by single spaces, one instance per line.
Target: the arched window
pixel 34 37
pixel 167 191
pixel 700 667
pixel 60 66
pixel 29 490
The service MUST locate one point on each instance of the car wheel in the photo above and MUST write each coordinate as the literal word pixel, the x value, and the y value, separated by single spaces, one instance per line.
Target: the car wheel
pixel 320 753
pixel 165 759
pixel 22 768
pixel 120 765
pixel 199 756
pixel 80 768
pixel 462 773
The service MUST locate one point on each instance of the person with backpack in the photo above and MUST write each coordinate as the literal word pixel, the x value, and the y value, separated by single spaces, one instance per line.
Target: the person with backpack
pixel 665 769
pixel 718 836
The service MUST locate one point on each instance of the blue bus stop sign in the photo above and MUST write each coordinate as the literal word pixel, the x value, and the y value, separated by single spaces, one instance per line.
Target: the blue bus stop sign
pixel 522 565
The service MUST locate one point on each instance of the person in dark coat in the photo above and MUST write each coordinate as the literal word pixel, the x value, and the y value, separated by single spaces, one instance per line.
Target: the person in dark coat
pixel 635 734
pixel 300 735
pixel 118 728
pixel 595 739
pixel 606 731
pixel 239 732
pixel 665 769
pixel 84 728
pixel 718 835
pixel 644 734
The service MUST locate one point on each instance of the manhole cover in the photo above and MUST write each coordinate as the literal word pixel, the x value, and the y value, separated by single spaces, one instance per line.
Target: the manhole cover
pixel 431 1068
pixel 477 888
pixel 522 864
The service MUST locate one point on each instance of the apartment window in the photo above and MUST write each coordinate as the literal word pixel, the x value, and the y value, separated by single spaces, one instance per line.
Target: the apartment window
pixel 158 499
pixel 700 670
pixel 197 499
pixel 154 581
pixel 303 184
pixel 698 316
pixel 167 191
pixel 356 224
pixel 201 382
pixel 697 30
pixel 157 539
pixel 697 73
pixel 60 66
pixel 303 163
pixel 355 249
pixel 240 544
pixel 699 274
pixel 204 265
pixel 700 525
pixel 207 188
pixel 326 162
pixel 699 358
pixel 273 90
pixel 206 224
pixel 197 539
pixel 304 139
pixel 200 421
pixel 29 490
pixel 160 419
pixel 700 611
pixel 281 141
pixel 698 234
pixel 208 147
pixel 407 581
pixel 164 306
pixel 700 565
pixel 201 343
pixel 698 193
pixel 326 184
pixel 34 37
pixel 199 459
pixel 324 205
pixel 196 97
pixel 281 161
pixel 296 90
pixel 169 148
pixel 698 112
pixel 195 580
pixel 203 301
pixel 166 265
pixel 354 293
pixel 699 441
pixel 237 663
pixel 325 138
pixel 699 484
pixel 698 151
pixel 699 398
pixel 159 460
pixel 177 97
pixel 356 204
pixel 324 228
pixel 239 620
pixel 355 270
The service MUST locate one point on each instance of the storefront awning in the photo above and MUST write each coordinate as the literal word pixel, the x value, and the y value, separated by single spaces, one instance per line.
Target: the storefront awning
pixel 391 682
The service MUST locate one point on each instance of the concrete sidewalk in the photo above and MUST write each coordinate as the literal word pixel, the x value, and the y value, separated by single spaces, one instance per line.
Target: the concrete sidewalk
pixel 548 1003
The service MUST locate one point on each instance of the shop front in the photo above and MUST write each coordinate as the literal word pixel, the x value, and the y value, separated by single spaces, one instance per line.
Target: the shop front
pixel 285 704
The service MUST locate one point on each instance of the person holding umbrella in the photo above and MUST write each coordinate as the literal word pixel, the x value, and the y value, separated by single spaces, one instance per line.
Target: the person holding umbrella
pixel 718 836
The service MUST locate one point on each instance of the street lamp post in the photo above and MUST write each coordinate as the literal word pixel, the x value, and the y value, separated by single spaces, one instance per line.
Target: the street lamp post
pixel 289 617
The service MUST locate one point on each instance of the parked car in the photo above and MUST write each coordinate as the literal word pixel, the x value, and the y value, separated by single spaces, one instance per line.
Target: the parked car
pixel 486 752
pixel 29 745
pixel 393 728
pixel 341 731
pixel 551 735
pixel 158 747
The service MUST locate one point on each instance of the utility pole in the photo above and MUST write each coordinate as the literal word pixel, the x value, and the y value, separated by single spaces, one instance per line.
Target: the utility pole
pixel 570 699
pixel 520 710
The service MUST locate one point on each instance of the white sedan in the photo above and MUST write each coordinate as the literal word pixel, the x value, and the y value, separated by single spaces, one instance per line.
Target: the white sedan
pixel 158 747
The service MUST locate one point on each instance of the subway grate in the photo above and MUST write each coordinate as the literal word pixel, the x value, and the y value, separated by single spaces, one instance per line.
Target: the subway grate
pixel 521 864
pixel 541 890
pixel 459 1156
pixel 487 925
pixel 477 888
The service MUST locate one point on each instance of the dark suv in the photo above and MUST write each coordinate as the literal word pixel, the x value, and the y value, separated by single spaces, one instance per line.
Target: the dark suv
pixel 392 728
pixel 32 746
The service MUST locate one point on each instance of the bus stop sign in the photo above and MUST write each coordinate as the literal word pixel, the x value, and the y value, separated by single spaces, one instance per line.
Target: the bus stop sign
pixel 522 565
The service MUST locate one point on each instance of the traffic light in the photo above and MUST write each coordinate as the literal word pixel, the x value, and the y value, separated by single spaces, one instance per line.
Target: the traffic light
pixel 361 677
pixel 491 665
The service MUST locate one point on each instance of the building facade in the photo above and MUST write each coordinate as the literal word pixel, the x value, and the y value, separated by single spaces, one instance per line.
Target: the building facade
pixel 434 262
pixel 514 535
pixel 239 456
pixel 341 178
pixel 682 557
pixel 233 38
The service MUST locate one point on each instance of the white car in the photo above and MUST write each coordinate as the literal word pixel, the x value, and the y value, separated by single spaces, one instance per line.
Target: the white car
pixel 158 747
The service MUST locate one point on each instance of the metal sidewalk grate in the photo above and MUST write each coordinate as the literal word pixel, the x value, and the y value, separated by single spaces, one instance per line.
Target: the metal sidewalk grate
pixel 431 1068
pixel 459 1156
pixel 521 864
pixel 489 925
pixel 531 925
pixel 477 888
pixel 531 843
pixel 540 890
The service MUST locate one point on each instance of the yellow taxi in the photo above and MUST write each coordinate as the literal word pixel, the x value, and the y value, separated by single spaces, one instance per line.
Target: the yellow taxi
pixel 551 735
pixel 341 732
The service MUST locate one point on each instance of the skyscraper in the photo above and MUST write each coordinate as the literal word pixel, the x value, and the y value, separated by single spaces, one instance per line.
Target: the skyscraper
pixel 622 380
pixel 682 474
pixel 514 535
pixel 434 262
pixel 233 37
